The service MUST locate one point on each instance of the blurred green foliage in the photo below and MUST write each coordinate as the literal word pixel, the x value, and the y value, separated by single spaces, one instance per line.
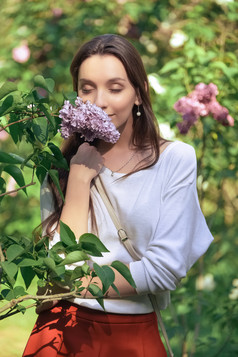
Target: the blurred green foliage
pixel 181 43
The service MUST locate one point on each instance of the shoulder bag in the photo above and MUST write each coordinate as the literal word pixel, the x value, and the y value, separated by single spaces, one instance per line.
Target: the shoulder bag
pixel 126 242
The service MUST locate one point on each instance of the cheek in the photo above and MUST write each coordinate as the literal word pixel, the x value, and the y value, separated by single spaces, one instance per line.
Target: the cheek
pixel 123 104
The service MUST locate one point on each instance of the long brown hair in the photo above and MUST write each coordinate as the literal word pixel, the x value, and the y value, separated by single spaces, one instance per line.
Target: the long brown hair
pixel 145 128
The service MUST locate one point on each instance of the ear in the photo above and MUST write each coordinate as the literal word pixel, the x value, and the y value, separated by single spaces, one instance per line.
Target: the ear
pixel 138 100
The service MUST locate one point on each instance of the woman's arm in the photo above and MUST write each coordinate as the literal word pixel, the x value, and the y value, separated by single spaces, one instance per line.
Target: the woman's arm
pixel 84 166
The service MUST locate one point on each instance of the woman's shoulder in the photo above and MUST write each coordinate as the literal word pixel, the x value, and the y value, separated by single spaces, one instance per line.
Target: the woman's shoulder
pixel 178 152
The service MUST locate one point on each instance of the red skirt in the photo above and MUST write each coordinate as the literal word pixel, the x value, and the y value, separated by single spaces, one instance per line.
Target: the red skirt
pixel 74 331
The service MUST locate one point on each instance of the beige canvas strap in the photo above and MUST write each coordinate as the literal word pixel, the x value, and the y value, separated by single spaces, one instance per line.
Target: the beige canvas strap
pixel 126 242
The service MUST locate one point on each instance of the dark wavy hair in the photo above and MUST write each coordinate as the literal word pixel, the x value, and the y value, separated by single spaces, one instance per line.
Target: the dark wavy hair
pixel 145 128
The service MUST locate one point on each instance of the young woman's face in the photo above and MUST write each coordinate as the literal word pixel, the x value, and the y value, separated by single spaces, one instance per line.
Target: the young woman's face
pixel 103 81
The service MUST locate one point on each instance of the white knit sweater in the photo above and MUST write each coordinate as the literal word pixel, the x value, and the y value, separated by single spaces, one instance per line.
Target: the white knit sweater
pixel 159 209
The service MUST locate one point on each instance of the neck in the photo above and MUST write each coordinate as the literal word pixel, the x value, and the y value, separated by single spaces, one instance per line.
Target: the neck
pixel 124 142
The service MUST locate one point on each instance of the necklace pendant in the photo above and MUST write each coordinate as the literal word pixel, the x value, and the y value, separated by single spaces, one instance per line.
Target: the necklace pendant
pixel 112 174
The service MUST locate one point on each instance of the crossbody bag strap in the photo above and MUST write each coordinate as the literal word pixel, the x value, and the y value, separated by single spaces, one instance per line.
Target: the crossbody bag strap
pixel 126 242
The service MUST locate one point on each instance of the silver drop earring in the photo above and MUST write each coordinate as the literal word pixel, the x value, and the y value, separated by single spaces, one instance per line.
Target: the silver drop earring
pixel 138 111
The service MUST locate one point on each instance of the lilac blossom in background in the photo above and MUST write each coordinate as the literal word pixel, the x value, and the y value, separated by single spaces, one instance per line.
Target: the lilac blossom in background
pixel 201 102
pixel 87 119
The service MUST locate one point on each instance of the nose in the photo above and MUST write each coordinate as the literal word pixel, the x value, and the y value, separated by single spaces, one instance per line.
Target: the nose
pixel 100 99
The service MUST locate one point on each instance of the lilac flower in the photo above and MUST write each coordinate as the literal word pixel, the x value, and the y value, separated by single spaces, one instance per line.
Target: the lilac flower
pixel 87 119
pixel 201 102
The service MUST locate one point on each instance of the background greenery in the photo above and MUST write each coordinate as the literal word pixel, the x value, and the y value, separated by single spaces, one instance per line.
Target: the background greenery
pixel 181 43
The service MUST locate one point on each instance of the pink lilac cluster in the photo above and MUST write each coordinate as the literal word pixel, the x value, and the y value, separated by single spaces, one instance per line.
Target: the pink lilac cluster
pixel 87 119
pixel 201 102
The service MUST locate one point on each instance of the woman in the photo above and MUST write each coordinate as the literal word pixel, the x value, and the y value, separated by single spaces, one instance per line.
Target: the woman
pixel 151 184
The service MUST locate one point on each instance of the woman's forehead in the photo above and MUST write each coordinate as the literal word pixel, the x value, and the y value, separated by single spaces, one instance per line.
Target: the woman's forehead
pixel 107 67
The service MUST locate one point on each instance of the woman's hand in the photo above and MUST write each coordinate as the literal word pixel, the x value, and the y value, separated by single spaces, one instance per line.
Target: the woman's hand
pixel 86 163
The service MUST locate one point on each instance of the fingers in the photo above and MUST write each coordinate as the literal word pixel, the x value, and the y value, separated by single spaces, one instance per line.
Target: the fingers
pixel 88 158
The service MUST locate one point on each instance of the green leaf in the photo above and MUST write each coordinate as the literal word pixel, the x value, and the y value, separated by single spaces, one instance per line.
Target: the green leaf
pixel 14 129
pixel 7 158
pixel 106 275
pixel 28 275
pixel 60 159
pixel 7 294
pixel 77 273
pixel 91 249
pixel 55 178
pixel 10 103
pixel 2 186
pixel 47 114
pixel 21 308
pixel 172 65
pixel 10 269
pixel 50 84
pixel 85 268
pixel 71 96
pixel 21 160
pixel 95 290
pixel 56 151
pixel 39 81
pixel 116 290
pixel 14 251
pixel 74 257
pixel 66 234
pixel 12 159
pixel 124 271
pixel 18 291
pixel 16 173
pixel 7 88
pixel 27 262
pixel 40 129
pixel 49 262
pixel 91 238
pixel 41 283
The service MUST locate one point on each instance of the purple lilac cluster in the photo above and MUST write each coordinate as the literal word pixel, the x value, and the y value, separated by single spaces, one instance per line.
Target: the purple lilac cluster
pixel 201 102
pixel 87 119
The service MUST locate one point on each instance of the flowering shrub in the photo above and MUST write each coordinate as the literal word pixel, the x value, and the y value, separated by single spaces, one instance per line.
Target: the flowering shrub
pixel 201 102
pixel 87 119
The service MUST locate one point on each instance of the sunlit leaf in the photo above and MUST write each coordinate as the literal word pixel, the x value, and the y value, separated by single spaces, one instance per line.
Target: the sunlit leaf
pixel 16 173
pixel 14 251
pixel 7 88
pixel 40 129
pixel 74 257
pixel 10 269
pixel 91 238
pixel 66 234
pixel 49 262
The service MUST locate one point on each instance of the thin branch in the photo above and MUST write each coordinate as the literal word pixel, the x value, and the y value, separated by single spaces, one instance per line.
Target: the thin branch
pixel 2 258
pixel 24 119
pixel 22 187
pixel 11 304
pixel 18 189
pixel 15 122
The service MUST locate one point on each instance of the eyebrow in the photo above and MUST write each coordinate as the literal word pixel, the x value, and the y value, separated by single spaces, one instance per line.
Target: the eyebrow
pixel 112 80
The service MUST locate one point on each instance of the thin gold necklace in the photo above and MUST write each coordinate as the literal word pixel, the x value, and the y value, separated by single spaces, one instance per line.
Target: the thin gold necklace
pixel 112 172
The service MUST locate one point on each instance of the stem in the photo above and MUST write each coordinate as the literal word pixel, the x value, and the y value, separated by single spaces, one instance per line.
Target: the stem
pixel 2 258
pixel 11 304
pixel 18 189
pixel 24 119
pixel 15 122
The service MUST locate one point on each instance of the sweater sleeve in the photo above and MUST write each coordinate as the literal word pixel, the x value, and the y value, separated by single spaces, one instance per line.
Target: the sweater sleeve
pixel 181 235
